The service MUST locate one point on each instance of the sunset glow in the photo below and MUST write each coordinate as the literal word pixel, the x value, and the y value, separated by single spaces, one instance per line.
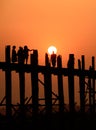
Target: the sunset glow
pixel 63 26
pixel 70 24
pixel 52 49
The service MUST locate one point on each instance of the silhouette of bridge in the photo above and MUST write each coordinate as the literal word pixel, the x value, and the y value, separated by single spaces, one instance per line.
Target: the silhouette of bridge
pixel 47 70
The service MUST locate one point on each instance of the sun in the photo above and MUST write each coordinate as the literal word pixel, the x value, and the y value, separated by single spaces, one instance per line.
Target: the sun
pixel 52 49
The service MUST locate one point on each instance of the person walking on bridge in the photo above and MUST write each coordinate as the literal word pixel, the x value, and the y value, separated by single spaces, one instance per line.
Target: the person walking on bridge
pixel 14 55
pixel 53 59
pixel 26 53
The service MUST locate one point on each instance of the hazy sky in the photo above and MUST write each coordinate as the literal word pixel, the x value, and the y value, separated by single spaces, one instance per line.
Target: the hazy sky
pixel 70 25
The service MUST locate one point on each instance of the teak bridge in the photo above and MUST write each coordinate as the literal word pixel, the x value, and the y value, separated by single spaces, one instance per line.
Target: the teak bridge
pixel 34 69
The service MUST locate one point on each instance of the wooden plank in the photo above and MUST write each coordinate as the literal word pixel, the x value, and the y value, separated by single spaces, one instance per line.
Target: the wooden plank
pixel 41 69
pixel 8 84
pixel 60 85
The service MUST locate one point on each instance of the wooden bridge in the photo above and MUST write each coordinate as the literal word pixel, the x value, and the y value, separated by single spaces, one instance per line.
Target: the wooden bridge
pixel 34 69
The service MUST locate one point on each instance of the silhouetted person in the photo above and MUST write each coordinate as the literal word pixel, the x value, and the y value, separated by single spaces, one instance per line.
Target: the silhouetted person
pixel 20 55
pixel 26 54
pixel 14 55
pixel 53 59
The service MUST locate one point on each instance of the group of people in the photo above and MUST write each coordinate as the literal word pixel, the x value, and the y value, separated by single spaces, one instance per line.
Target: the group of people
pixel 21 56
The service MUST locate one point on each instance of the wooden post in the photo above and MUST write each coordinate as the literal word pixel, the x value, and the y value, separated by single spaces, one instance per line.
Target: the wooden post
pixel 93 82
pixel 8 83
pixel 90 90
pixel 82 85
pixel 22 90
pixel 48 86
pixel 92 87
pixel 34 80
pixel 60 85
pixel 71 82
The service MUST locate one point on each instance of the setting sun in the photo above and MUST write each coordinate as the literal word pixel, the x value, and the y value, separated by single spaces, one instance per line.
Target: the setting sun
pixel 52 49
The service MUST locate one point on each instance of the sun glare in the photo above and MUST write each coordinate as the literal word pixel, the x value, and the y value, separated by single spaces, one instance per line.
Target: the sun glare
pixel 52 49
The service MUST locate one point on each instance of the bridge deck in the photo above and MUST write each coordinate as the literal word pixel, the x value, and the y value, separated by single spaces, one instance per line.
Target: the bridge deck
pixel 42 69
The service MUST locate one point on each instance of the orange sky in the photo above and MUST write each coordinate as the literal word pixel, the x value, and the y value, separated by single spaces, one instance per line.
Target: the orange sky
pixel 70 25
